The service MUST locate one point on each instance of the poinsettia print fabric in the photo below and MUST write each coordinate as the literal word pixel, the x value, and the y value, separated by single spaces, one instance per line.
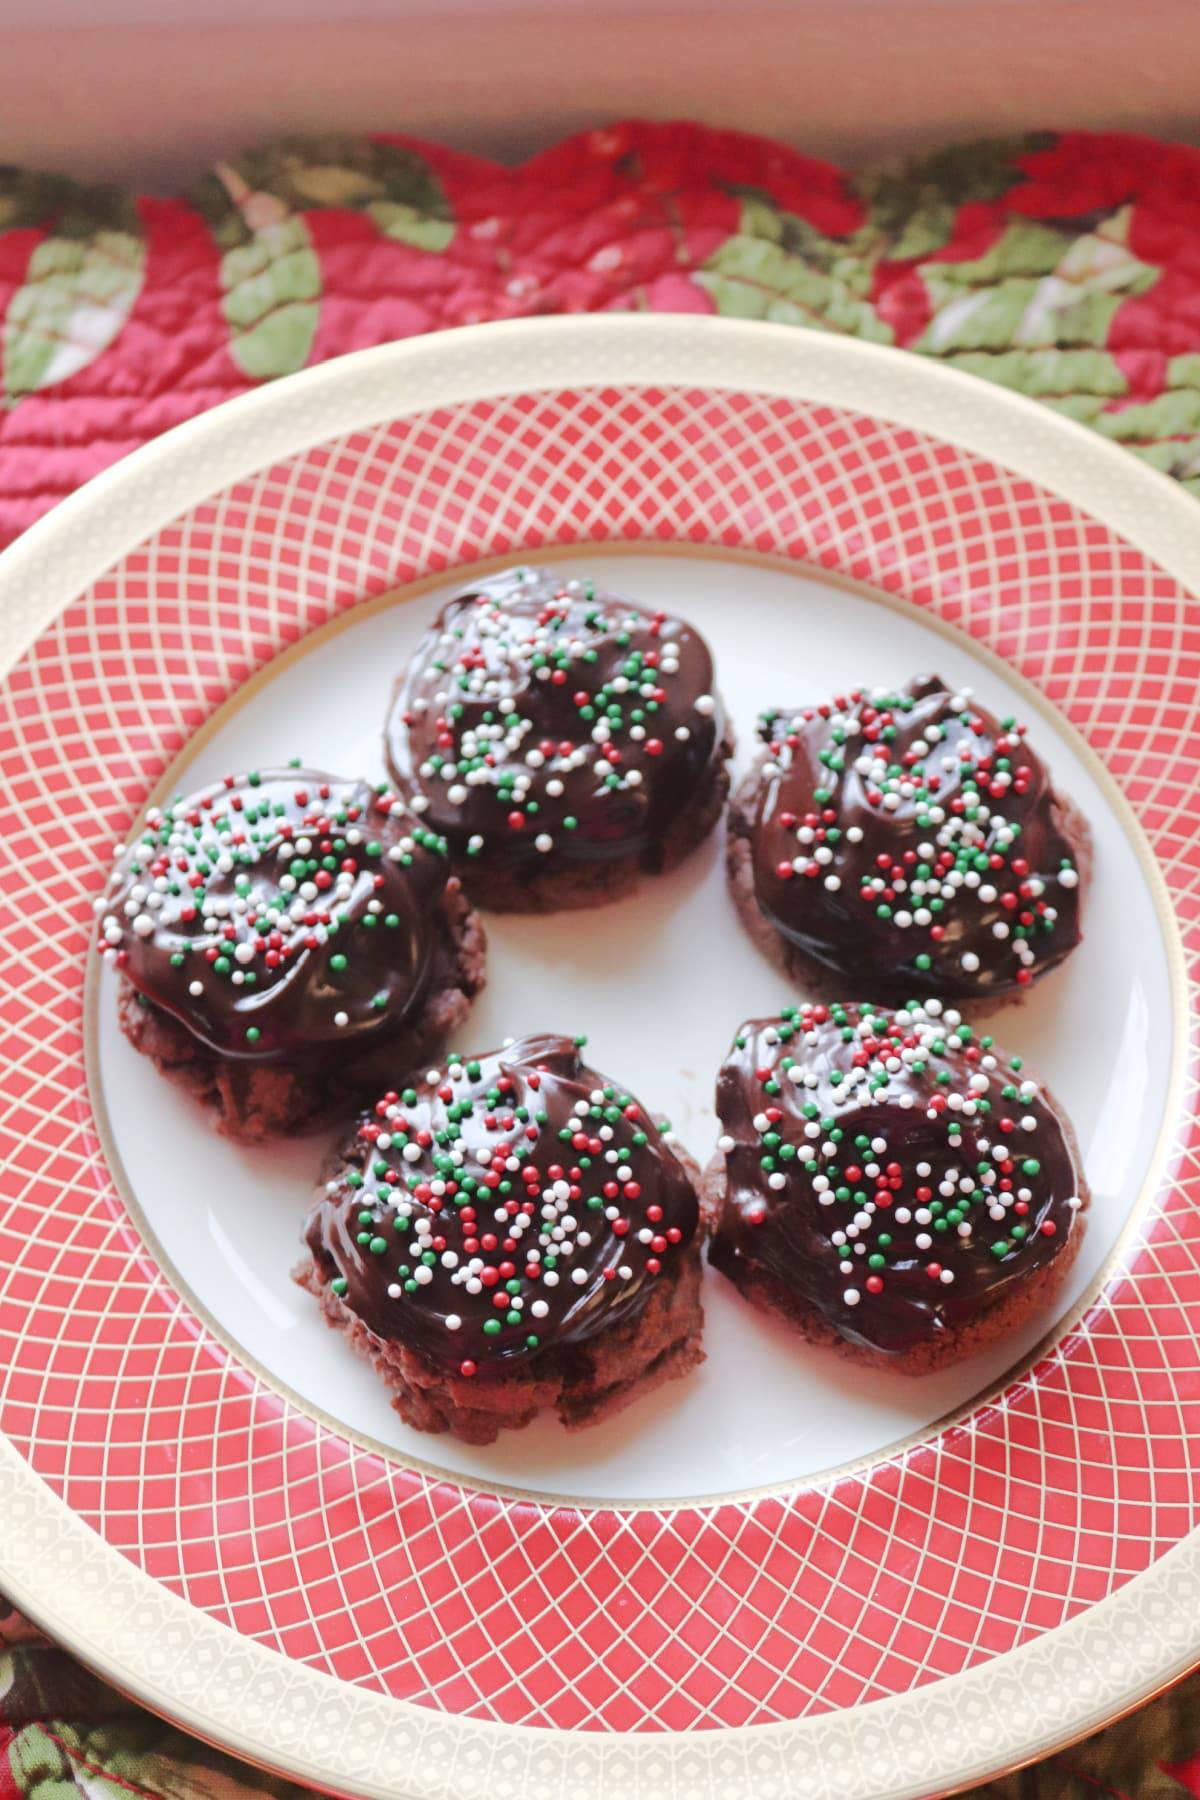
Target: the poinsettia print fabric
pixel 1065 265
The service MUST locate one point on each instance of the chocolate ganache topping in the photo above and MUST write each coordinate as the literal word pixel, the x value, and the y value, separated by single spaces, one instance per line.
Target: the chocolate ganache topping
pixel 546 719
pixel 275 914
pixel 503 1206
pixel 913 841
pixel 889 1169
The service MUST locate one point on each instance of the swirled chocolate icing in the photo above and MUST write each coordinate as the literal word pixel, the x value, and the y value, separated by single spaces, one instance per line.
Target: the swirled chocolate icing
pixel 909 839
pixel 890 1169
pixel 278 914
pixel 506 1205
pixel 544 721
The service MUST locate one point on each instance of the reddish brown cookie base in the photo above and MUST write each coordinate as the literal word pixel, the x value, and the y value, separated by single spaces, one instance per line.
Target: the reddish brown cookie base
pixel 991 1323
pixel 570 886
pixel 254 1101
pixel 583 1383
pixel 818 980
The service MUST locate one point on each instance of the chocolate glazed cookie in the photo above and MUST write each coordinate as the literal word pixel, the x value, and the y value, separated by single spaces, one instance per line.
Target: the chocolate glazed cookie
pixel 510 1234
pixel 907 840
pixel 890 1183
pixel 563 741
pixel 277 930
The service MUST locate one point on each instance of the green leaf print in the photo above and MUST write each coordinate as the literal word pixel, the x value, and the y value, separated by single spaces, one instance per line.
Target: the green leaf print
pixel 1171 415
pixel 1184 370
pixel 337 170
pixel 130 1754
pixel 76 297
pixel 394 186
pixel 1036 287
pixel 778 267
pixel 40 1767
pixel 1047 373
pixel 270 271
pixel 913 205
pixel 80 286
pixel 409 226
pixel 270 276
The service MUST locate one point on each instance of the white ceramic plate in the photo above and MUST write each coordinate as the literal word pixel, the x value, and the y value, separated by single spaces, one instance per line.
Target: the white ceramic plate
pixel 778 1571
pixel 658 983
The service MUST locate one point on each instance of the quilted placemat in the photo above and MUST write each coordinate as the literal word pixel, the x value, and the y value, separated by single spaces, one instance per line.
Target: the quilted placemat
pixel 1065 265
